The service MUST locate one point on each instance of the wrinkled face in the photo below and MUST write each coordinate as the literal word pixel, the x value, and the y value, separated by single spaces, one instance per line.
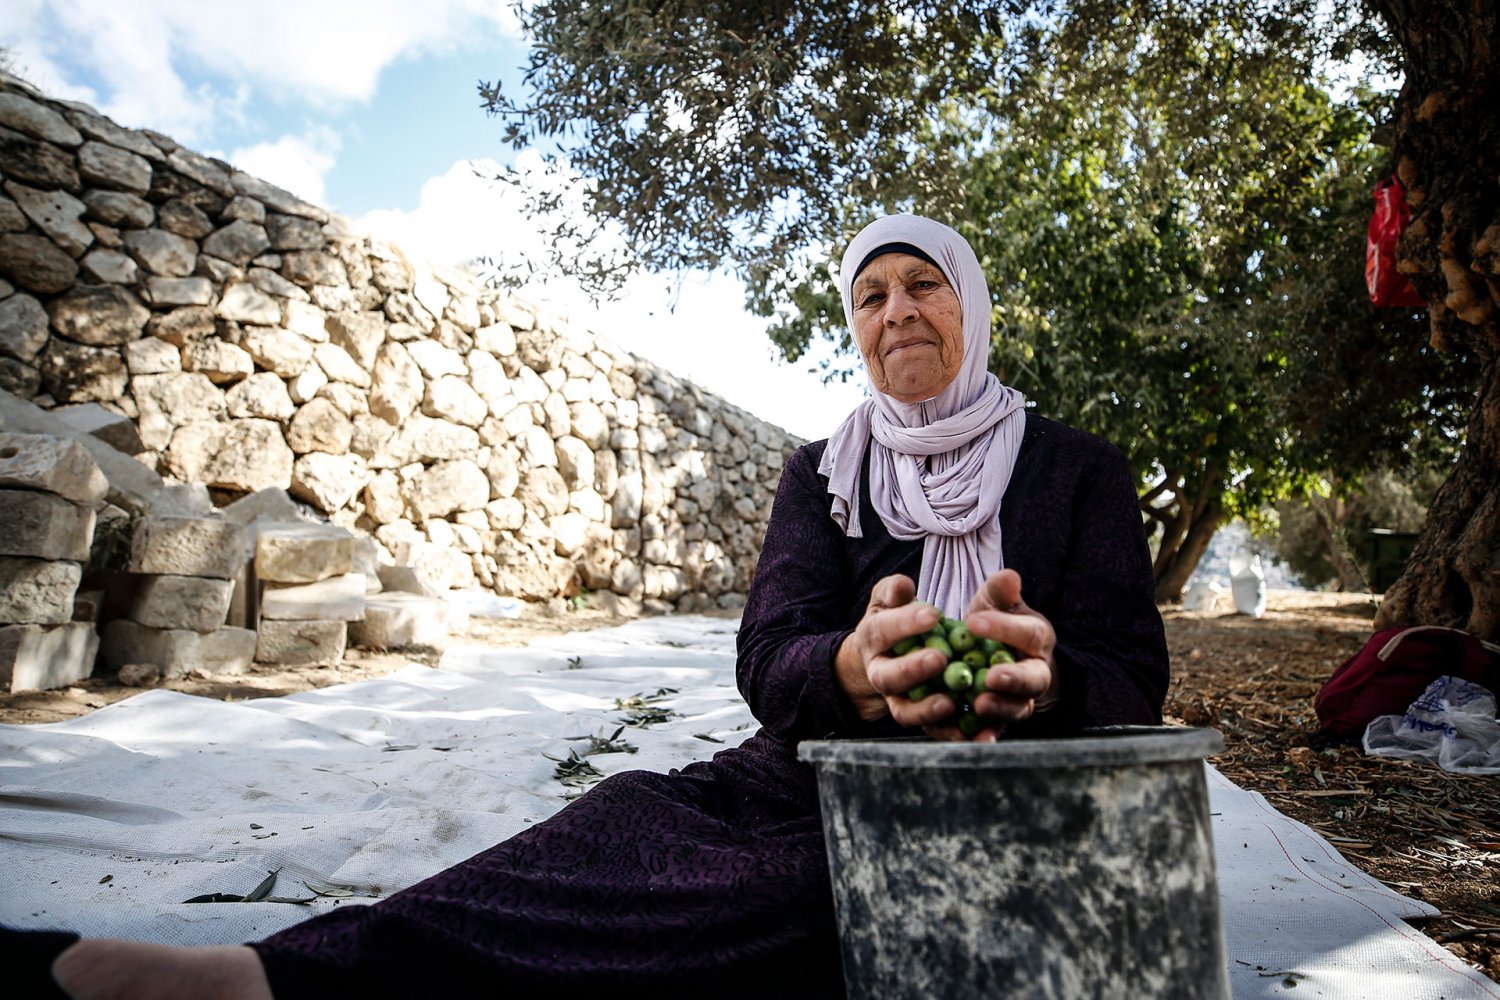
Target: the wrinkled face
pixel 909 327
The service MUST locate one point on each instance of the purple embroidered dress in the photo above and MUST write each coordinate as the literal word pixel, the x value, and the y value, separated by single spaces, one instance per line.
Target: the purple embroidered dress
pixel 712 881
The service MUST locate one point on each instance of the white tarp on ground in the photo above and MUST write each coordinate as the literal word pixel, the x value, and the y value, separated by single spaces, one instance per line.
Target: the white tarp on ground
pixel 109 821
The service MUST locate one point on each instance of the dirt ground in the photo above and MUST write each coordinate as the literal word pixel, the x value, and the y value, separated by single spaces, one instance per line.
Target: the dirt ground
pixel 1429 834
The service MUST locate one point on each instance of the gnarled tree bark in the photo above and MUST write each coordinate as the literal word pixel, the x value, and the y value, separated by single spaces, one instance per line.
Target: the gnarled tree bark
pixel 1448 157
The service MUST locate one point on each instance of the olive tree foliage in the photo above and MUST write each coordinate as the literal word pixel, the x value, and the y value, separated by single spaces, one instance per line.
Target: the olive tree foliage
pixel 1149 185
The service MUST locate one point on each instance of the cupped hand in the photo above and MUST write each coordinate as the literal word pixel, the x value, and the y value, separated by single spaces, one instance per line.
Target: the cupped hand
pixel 1017 690
pixel 875 681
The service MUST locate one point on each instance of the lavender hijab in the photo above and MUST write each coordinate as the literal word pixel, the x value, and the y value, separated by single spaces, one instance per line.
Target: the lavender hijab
pixel 938 468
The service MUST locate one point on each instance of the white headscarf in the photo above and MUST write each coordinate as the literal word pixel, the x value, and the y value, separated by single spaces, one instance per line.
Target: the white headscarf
pixel 938 468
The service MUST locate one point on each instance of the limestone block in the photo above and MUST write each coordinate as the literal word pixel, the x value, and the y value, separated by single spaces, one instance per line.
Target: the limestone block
pixel 182 500
pixel 239 242
pixel 23 327
pixel 498 339
pixel 35 263
pixel 328 482
pixel 398 620
pixel 340 365
pixel 302 553
pixel 575 460
pixel 278 350
pixel 178 652
pixel 263 394
pixel 129 483
pixel 424 439
pixel 383 500
pixel 194 291
pixel 435 360
pixel 263 506
pixel 185 219
pixel 44 526
pixel 76 373
pixel 53 464
pixel 340 598
pixel 242 207
pixel 289 232
pixel 55 213
pixel 161 252
pixel 450 398
pixel 183 325
pixel 301 643
pixel 111 266
pixel 219 361
pixel 242 302
pixel 188 546
pixel 190 602
pixel 243 455
pixel 305 386
pixel 319 426
pixel 447 487
pixel 37 591
pixel 119 208
pixel 36 120
pixel 174 399
pixel 396 384
pixel 37 658
pixel 111 167
pixel 359 333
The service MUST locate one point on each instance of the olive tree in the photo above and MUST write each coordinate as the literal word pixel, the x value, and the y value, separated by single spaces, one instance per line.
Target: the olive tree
pixel 762 134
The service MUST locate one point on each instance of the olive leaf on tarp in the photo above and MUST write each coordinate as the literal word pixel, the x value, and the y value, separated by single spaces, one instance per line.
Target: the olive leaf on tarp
pixel 260 894
pixel 599 743
pixel 641 709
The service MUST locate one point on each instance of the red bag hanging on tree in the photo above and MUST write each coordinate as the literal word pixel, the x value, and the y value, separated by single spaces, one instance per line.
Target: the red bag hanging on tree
pixel 1388 286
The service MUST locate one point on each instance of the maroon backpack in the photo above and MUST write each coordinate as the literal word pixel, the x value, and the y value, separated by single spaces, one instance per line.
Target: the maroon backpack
pixel 1392 670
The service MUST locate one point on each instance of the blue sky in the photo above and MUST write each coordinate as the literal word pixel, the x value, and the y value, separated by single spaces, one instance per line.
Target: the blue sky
pixel 371 109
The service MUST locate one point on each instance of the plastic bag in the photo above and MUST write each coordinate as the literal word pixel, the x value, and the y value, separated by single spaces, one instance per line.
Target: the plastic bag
pixel 1202 595
pixel 1248 582
pixel 1453 724
pixel 1388 286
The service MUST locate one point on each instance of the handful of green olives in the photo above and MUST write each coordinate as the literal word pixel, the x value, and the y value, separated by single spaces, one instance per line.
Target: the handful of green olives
pixel 969 662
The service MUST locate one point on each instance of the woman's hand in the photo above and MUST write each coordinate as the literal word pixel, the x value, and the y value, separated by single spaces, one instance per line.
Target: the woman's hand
pixel 877 682
pixel 1019 690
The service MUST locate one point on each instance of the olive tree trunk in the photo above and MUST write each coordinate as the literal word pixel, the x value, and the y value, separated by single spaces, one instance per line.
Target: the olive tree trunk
pixel 1447 145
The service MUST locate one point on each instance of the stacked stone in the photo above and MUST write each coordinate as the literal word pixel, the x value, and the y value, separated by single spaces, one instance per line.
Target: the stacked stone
pixel 50 488
pixel 308 593
pixel 257 342
pixel 182 573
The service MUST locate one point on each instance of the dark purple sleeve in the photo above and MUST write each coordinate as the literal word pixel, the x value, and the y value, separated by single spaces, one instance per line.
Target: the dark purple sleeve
pixel 798 612
pixel 1111 649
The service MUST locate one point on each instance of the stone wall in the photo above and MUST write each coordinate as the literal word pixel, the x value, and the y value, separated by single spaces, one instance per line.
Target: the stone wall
pixel 256 340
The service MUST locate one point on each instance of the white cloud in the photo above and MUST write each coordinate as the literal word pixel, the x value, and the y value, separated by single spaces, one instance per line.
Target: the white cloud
pixel 696 328
pixel 298 163
pixel 325 53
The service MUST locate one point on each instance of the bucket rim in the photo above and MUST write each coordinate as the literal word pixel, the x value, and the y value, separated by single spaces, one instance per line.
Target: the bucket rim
pixel 1105 746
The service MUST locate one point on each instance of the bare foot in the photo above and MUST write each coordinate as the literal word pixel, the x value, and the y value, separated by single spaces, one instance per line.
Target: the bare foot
pixel 104 969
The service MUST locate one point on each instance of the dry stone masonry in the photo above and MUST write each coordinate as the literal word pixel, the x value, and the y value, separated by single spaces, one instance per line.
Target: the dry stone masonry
pixel 241 343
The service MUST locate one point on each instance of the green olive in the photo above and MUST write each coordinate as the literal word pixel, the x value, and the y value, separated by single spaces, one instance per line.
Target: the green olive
pixel 969 724
pixel 960 638
pixel 988 646
pixel 1002 655
pixel 940 644
pixel 919 692
pixel 904 646
pixel 979 687
pixel 975 659
pixel 958 676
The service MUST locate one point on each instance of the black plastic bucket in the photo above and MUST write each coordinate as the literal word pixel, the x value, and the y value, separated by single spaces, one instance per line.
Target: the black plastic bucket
pixel 1058 869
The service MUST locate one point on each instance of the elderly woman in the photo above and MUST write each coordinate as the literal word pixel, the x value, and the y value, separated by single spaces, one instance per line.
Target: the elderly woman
pixel 712 881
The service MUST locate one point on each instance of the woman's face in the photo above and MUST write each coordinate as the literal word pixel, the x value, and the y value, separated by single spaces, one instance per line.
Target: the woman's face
pixel 909 327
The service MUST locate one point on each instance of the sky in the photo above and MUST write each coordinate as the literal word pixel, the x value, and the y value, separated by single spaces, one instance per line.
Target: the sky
pixel 371 109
